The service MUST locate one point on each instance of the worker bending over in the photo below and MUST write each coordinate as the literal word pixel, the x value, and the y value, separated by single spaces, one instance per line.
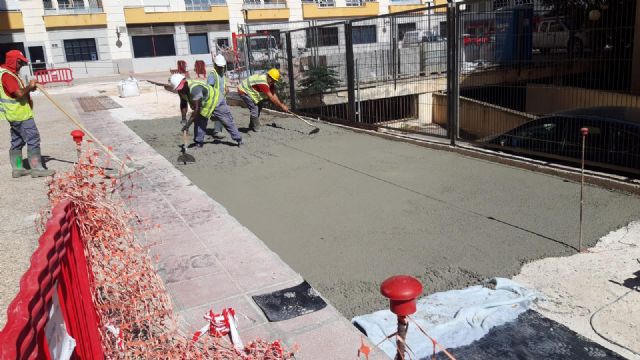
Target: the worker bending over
pixel 221 113
pixel 257 89
pixel 17 108
pixel 202 98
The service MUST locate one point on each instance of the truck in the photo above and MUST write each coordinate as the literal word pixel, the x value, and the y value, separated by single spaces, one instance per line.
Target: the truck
pixel 554 34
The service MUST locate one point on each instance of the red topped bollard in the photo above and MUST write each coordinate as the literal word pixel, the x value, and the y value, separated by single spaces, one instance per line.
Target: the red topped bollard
pixel 402 292
pixel 77 136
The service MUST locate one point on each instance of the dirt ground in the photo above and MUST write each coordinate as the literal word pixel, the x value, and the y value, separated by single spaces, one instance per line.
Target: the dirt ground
pixel 347 210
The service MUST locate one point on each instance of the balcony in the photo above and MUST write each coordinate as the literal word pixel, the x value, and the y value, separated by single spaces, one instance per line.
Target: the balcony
pixel 11 21
pixel 265 10
pixel 405 5
pixel 264 4
pixel 326 9
pixel 197 11
pixel 71 7
pixel 203 5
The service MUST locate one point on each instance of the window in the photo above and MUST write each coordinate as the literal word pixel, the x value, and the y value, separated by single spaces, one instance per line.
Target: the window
pixel 364 34
pixel 199 43
pixel 404 28
pixel 153 45
pixel 324 36
pixel 556 27
pixel 222 43
pixel 80 50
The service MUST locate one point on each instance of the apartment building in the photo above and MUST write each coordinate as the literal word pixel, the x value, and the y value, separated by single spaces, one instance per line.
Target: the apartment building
pixel 99 37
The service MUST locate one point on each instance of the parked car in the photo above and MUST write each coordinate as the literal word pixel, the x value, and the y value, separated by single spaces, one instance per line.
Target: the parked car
pixel 554 34
pixel 415 37
pixel 263 47
pixel 613 141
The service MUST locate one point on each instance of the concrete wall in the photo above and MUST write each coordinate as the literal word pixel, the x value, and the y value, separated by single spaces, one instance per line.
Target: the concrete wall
pixel 479 119
pixel 544 99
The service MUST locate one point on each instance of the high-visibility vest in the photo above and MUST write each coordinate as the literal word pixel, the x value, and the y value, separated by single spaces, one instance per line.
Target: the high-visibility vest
pixel 221 81
pixel 208 104
pixel 14 109
pixel 247 87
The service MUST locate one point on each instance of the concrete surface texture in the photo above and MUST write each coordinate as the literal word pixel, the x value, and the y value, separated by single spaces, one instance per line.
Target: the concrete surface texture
pixel 347 210
pixel 23 198
pixel 208 260
pixel 594 291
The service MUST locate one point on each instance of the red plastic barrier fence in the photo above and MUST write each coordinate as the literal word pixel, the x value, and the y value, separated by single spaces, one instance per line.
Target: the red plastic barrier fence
pixel 58 265
pixel 54 76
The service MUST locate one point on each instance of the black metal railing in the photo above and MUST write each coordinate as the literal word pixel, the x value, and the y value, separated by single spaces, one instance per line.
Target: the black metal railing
pixel 474 71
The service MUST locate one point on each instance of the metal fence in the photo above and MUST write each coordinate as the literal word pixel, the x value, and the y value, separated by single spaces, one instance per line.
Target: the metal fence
pixel 471 71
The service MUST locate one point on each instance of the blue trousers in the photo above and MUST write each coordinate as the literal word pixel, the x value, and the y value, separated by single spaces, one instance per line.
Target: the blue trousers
pixel 24 132
pixel 222 114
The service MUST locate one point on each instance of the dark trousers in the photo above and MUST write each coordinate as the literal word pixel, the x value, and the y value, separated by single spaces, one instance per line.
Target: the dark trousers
pixel 24 132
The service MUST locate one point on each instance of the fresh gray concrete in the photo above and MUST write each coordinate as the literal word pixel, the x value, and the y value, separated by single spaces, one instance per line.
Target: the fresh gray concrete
pixel 347 210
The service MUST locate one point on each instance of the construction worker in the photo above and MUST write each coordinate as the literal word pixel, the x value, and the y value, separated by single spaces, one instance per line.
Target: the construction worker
pixel 17 108
pixel 255 90
pixel 221 113
pixel 202 98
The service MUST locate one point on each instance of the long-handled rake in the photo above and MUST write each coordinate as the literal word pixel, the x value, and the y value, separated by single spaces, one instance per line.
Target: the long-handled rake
pixel 314 131
pixel 128 168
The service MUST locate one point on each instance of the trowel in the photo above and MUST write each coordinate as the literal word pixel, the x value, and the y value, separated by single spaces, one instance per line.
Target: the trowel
pixel 185 158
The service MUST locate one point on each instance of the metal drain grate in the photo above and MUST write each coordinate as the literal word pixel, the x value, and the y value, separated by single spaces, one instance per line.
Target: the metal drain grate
pixel 97 103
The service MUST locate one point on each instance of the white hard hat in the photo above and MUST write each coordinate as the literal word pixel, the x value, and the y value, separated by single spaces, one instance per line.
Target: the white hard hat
pixel 220 60
pixel 176 80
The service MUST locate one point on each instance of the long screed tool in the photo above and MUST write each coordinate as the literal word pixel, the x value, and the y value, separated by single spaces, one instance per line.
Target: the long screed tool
pixel 314 131
pixel 128 168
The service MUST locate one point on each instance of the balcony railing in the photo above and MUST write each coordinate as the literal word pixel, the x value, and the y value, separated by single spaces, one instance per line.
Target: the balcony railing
pixel 406 2
pixel 72 7
pixel 202 5
pixel 321 3
pixel 264 4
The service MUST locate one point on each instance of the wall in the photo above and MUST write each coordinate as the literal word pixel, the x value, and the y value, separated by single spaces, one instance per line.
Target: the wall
pixel 165 63
pixel 104 64
pixel 544 99
pixel 479 119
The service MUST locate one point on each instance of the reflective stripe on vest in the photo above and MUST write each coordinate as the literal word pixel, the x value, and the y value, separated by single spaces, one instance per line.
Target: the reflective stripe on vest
pixel 10 108
pixel 247 87
pixel 208 104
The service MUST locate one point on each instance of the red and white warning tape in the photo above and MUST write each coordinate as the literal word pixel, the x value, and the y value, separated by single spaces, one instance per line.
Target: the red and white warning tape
pixel 220 325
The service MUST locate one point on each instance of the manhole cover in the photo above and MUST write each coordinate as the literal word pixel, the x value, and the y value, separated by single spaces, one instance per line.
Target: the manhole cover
pixel 97 103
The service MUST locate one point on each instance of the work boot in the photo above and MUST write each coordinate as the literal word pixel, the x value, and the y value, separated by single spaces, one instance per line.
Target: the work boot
pixel 15 158
pixel 254 124
pixel 35 161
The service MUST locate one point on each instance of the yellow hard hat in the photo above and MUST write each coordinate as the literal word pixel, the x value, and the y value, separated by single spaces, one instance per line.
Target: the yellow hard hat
pixel 274 74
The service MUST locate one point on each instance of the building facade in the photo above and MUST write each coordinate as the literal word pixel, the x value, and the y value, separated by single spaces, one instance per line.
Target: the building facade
pixel 101 37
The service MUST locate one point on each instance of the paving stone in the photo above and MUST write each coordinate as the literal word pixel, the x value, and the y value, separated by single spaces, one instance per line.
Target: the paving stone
pixel 202 290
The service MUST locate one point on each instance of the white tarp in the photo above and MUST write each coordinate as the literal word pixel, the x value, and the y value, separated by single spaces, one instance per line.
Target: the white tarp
pixel 454 318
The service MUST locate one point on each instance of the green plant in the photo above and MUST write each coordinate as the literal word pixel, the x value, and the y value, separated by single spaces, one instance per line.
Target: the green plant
pixel 319 79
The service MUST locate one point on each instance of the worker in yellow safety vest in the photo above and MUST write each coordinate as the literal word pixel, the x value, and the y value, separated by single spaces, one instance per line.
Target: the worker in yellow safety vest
pixel 201 97
pixel 221 113
pixel 257 89
pixel 16 107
